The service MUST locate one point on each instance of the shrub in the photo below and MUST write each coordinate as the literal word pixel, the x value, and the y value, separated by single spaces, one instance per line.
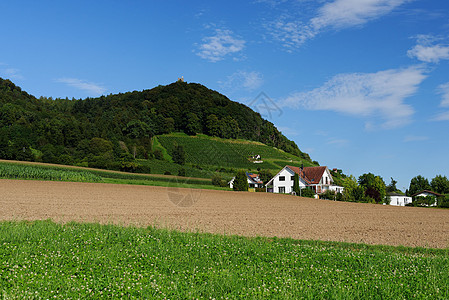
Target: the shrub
pixel 182 172
pixel 309 193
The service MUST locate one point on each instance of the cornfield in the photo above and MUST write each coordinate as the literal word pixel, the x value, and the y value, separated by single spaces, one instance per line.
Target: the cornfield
pixel 16 171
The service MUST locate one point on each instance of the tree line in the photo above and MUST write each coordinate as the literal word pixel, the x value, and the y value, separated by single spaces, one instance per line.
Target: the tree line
pixel 112 131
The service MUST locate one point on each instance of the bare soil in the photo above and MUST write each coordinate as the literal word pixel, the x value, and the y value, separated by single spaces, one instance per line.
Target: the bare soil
pixel 241 213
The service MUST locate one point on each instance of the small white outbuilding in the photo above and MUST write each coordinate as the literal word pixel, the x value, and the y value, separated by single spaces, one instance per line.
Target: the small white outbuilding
pixel 399 200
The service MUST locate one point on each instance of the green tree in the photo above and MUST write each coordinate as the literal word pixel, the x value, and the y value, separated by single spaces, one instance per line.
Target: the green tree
pixel 213 125
pixel 193 124
pixel 296 184
pixel 240 181
pixel 440 184
pixel 265 175
pixel 391 188
pixel 374 187
pixel 100 146
pixel 417 184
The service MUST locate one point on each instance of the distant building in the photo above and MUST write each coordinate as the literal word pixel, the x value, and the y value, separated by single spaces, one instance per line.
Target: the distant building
pixel 399 199
pixel 181 79
pixel 426 193
pixel 253 181
pixel 317 178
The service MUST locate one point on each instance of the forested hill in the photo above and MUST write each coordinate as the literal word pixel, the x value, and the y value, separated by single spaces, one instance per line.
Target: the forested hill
pixel 67 131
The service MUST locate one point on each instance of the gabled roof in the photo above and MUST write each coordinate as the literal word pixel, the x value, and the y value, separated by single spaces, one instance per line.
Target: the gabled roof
pixel 312 175
pixel 429 192
pixel 254 177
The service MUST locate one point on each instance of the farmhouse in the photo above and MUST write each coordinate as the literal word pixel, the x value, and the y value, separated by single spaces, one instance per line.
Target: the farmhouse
pixel 317 178
pixel 399 200
pixel 253 181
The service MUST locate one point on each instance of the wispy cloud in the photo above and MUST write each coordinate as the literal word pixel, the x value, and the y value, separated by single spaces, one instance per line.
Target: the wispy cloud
pixel 223 43
pixel 337 142
pixel 415 138
pixel 338 14
pixel 89 87
pixel 242 79
pixel 380 94
pixel 429 49
pixel 11 73
pixel 444 91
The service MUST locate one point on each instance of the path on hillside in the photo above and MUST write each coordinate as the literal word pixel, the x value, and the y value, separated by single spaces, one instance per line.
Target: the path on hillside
pixel 241 213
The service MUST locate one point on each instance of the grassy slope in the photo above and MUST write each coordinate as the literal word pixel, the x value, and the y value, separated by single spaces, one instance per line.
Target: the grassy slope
pixel 47 260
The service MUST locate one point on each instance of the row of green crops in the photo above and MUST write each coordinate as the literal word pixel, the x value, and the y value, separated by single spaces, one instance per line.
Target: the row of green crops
pixel 19 171
pixel 43 260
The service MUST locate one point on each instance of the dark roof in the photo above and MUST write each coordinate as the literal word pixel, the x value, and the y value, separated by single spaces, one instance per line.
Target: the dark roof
pixel 312 175
pixel 427 191
pixel 396 194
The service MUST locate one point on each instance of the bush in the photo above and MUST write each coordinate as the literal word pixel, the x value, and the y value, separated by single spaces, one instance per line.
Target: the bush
pixel 217 180
pixel 182 172
pixel 328 195
pixel 309 193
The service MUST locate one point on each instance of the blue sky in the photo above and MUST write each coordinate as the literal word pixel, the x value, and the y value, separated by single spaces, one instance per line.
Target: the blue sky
pixel 361 85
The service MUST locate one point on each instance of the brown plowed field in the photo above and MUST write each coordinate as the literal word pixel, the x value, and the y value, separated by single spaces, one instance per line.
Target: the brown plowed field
pixel 248 214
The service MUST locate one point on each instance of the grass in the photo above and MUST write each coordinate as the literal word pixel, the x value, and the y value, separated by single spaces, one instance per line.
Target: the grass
pixel 46 260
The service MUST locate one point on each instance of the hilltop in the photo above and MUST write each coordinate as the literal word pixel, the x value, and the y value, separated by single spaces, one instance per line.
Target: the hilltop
pixel 129 131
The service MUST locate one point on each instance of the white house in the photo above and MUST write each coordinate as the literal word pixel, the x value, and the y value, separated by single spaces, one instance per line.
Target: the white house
pixel 427 193
pixel 317 178
pixel 253 181
pixel 399 200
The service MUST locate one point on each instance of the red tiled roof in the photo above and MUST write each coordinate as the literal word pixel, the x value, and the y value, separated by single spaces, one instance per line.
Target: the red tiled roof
pixel 254 177
pixel 311 175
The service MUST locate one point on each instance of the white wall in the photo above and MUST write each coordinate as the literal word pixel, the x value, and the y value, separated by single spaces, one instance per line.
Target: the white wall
pixel 400 200
pixel 288 183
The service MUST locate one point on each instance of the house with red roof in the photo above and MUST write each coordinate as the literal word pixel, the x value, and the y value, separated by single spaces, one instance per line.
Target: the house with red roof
pixel 253 181
pixel 317 178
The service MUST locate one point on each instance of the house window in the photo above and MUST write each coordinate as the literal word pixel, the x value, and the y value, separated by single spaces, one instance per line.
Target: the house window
pixel 292 178
pixel 282 190
pixel 327 180
pixel 281 178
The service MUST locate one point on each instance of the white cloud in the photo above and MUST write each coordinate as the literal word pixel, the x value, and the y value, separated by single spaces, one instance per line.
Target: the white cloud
pixel 243 79
pixel 380 94
pixel 217 47
pixel 89 87
pixel 444 116
pixel 349 13
pixel 338 14
pixel 444 91
pixel 429 49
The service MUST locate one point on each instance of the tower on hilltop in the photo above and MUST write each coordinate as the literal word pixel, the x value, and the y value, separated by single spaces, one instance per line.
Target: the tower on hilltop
pixel 181 79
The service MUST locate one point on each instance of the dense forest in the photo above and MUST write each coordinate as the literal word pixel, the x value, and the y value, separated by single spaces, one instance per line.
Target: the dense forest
pixel 111 131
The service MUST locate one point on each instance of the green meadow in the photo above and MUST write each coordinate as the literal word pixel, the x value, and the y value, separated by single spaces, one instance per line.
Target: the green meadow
pixel 45 260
